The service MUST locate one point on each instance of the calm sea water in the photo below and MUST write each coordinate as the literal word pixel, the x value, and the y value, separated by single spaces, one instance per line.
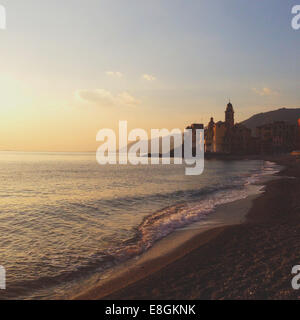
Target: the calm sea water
pixel 64 218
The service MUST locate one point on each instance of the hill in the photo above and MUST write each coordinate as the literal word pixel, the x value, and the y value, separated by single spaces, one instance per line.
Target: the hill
pixel 283 114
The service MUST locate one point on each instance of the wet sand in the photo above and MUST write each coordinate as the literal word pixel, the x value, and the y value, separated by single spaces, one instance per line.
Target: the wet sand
pixel 232 258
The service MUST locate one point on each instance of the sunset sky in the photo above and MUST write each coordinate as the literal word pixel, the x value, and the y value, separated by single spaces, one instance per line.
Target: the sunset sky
pixel 70 68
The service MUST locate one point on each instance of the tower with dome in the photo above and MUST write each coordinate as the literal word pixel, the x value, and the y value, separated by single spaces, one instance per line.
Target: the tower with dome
pixel 227 136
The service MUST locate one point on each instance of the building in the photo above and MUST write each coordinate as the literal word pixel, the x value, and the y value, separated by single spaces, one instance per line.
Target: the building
pixel 228 137
pixel 277 137
pixel 194 127
pixel 298 136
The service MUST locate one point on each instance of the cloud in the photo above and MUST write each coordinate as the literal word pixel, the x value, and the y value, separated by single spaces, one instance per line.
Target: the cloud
pixel 104 98
pixel 148 77
pixel 115 74
pixel 98 96
pixel 127 99
pixel 265 92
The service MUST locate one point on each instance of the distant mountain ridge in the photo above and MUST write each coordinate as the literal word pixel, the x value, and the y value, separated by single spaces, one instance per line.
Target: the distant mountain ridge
pixel 283 114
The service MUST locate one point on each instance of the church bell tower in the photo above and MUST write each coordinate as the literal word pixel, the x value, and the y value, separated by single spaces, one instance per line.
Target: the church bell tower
pixel 229 115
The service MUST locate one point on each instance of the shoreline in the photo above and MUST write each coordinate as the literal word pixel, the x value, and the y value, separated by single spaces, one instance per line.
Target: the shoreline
pixel 171 249
pixel 252 260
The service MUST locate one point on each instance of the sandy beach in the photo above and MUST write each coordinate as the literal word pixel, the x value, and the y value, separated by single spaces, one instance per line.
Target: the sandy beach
pixel 248 255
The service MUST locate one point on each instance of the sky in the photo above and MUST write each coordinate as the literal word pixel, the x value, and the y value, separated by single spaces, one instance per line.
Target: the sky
pixel 70 68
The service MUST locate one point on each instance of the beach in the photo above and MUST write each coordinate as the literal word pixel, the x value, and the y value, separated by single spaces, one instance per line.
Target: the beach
pixel 247 258
pixel 67 234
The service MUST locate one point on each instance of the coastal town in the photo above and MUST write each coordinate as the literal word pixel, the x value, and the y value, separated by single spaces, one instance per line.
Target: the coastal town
pixel 228 137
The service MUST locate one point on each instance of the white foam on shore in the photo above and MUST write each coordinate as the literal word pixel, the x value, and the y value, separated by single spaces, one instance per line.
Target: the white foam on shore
pixel 164 231
pixel 166 221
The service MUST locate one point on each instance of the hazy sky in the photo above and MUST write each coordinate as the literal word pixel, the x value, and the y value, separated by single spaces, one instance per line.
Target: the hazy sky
pixel 69 68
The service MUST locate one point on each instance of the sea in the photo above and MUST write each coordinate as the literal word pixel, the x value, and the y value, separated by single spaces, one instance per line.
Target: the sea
pixel 65 218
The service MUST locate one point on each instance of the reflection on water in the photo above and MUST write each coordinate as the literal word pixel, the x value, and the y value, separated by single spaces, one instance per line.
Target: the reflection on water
pixel 62 216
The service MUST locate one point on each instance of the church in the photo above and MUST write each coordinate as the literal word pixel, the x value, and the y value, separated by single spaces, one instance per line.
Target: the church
pixel 226 137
